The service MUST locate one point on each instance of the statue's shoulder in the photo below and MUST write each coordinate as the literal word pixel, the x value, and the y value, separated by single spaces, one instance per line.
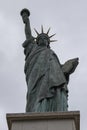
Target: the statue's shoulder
pixel 30 41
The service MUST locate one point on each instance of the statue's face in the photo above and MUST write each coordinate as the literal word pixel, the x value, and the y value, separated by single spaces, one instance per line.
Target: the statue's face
pixel 43 41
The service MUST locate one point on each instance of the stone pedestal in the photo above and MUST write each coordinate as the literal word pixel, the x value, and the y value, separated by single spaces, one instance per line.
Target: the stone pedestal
pixel 44 121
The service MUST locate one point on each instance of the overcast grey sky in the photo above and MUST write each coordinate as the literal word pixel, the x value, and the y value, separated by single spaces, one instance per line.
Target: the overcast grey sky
pixel 68 19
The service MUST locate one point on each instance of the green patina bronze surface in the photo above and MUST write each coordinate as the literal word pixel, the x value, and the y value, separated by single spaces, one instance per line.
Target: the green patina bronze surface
pixel 46 77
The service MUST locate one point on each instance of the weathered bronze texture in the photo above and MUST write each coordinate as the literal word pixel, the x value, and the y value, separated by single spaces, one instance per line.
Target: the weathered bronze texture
pixel 46 77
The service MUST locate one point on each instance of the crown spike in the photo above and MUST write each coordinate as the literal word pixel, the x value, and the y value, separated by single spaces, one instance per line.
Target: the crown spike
pixel 42 29
pixel 36 31
pixel 53 40
pixel 52 35
pixel 48 31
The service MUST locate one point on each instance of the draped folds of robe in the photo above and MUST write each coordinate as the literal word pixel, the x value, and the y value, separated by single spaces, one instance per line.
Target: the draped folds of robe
pixel 46 82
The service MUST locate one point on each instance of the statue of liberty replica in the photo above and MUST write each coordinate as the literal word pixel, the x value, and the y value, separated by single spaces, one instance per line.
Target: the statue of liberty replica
pixel 46 77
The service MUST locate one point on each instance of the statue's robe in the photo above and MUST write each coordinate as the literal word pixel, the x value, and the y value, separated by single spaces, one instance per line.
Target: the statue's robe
pixel 46 82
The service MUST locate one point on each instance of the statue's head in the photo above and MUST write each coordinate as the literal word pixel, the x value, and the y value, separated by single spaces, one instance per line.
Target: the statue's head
pixel 43 39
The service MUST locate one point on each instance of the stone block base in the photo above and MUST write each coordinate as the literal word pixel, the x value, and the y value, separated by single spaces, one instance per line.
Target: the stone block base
pixel 44 121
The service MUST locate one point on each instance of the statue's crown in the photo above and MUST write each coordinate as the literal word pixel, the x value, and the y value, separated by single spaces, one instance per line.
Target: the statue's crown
pixel 42 34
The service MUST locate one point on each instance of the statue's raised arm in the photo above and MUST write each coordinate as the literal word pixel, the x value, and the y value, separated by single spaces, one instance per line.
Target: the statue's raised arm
pixel 25 17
